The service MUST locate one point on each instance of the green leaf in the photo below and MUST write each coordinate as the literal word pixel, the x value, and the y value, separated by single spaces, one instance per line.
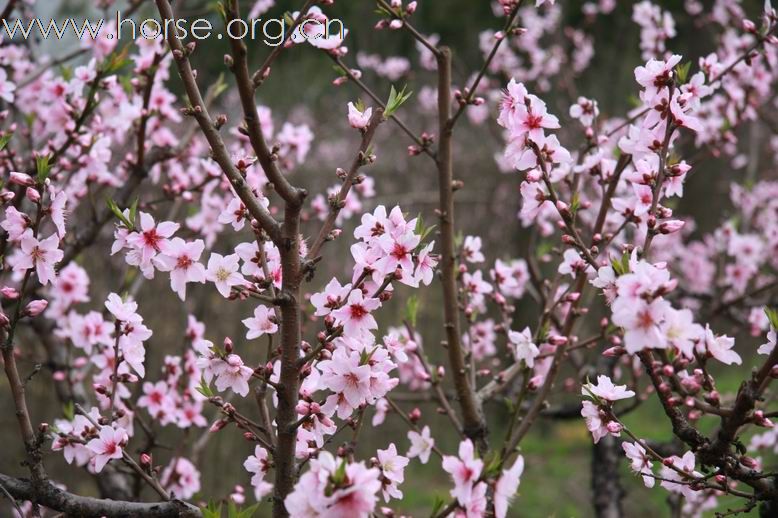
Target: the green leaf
pixel 396 99
pixel 212 511
pixel 772 316
pixel 204 388
pixel 134 211
pixel 69 410
pixel 412 310
pixel 339 477
pixel 118 213
pixel 683 71
pixel 437 506
pixel 248 512
pixel 43 167
pixel 4 140
pixel 116 61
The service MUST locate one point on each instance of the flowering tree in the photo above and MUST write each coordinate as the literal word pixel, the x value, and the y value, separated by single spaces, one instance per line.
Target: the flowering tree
pixel 627 296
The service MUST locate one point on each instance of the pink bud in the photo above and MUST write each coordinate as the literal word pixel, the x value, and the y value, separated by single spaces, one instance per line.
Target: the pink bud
pixel 411 8
pixel 9 293
pixel 145 459
pixel 614 427
pixel 414 415
pixel 218 425
pixel 33 195
pixel 35 307
pixel 669 227
pixel 21 179
pixel 748 462
pixel 690 385
pixel 396 24
pixel 557 340
pixel 228 345
pixel 614 352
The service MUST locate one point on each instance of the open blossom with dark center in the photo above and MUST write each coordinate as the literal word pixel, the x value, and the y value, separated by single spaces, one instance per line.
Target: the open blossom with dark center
pixel 181 260
pixel 42 255
pixel 107 446
pixel 464 470
pixel 355 315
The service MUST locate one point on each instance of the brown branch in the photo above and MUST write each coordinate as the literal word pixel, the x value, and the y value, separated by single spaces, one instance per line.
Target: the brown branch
pixel 240 68
pixel 220 152
pixel 336 205
pixel 473 422
pixel 52 497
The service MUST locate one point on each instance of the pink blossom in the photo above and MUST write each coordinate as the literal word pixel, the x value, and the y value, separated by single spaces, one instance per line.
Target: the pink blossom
pixel 507 486
pixel 152 238
pixel 223 271
pixel 464 470
pixel 180 259
pixel 259 465
pixel 640 462
pixel 686 465
pixel 181 478
pixel 720 347
pixel 333 296
pixel 355 315
pixel 109 445
pixel 358 119
pixel 234 375
pixel 523 346
pixel 594 422
pixel 421 444
pixel 426 263
pixel 43 255
pixel 392 468
pixel 261 323
pixel 605 389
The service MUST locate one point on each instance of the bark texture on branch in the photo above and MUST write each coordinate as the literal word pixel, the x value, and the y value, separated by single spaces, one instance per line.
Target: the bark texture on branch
pixel 48 495
pixel 473 422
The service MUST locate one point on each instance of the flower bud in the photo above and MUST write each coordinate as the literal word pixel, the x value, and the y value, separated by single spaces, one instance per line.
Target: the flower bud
pixel 35 307
pixel 9 293
pixel 748 462
pixel 557 340
pixel 32 194
pixel 145 460
pixel 414 415
pixel 614 352
pixel 671 226
pixel 614 427
pixel 22 179
pixel 218 426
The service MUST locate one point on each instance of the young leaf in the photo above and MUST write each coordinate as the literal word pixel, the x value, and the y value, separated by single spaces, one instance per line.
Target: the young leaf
pixel 412 309
pixel 396 99
pixel 42 167
pixel 683 71
pixel 4 140
pixel 118 213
